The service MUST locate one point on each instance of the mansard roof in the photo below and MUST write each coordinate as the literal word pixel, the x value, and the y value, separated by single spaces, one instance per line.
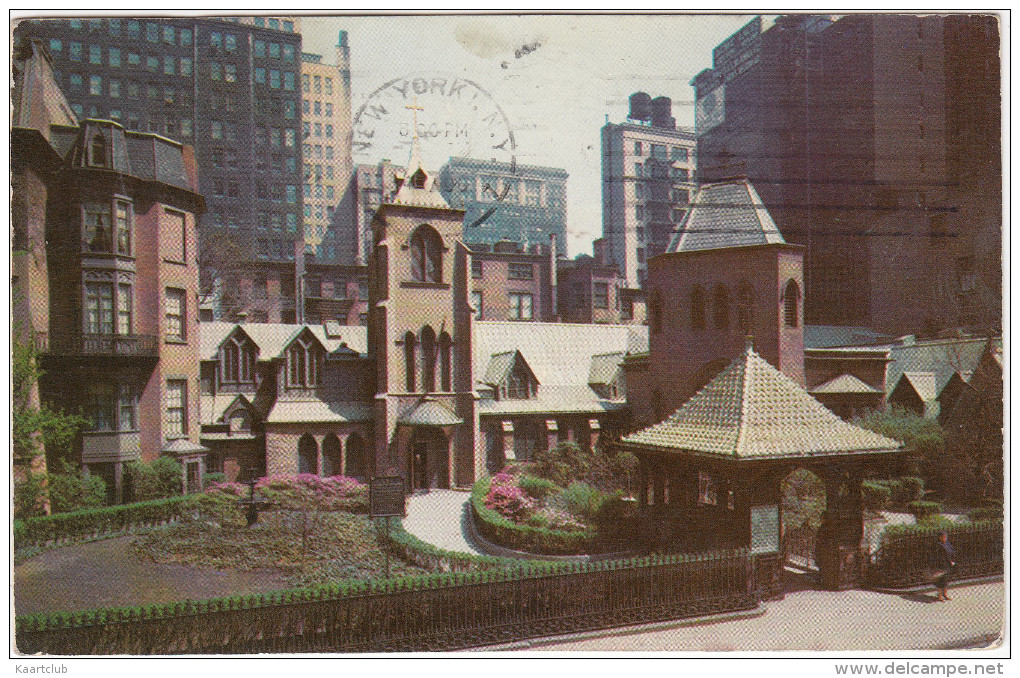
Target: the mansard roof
pixel 751 410
pixel 725 214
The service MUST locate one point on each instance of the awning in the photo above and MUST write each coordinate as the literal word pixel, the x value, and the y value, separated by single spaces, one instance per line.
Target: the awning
pixel 429 412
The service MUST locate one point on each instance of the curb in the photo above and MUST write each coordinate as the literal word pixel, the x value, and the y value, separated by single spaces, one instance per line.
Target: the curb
pixel 537 643
pixel 988 579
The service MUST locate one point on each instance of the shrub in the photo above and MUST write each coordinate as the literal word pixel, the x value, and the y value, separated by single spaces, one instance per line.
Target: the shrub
pixel 922 509
pixel 506 498
pixel 985 513
pixel 217 506
pixel 536 487
pixel 567 462
pixel 936 520
pixel 29 492
pixel 155 479
pixel 912 489
pixel 583 500
pixel 41 529
pixel 875 496
pixel 73 490
pixel 307 491
pixel 213 477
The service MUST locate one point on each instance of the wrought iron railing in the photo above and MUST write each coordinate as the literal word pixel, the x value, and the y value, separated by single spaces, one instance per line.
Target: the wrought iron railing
pixel 909 560
pixel 141 345
pixel 440 612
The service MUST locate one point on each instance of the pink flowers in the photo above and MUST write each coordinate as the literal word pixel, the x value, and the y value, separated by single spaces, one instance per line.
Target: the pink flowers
pixel 303 491
pixel 507 499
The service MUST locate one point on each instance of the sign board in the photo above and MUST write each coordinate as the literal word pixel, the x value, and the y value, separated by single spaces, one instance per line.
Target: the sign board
pixel 386 497
pixel 765 529
pixel 738 52
pixel 710 110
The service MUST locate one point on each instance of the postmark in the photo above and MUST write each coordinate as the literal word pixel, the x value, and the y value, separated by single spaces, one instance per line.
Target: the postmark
pixel 455 117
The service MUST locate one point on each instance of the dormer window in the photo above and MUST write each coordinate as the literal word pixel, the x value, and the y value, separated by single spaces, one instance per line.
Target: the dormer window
pixel 98 156
pixel 418 179
pixel 304 363
pixel 510 377
pixel 237 362
pixel 426 255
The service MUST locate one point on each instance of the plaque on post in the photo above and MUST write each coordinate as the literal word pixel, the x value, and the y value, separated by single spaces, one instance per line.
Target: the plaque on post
pixel 386 497
pixel 386 500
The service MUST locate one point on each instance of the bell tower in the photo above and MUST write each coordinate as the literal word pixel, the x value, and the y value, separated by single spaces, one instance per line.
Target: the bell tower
pixel 420 335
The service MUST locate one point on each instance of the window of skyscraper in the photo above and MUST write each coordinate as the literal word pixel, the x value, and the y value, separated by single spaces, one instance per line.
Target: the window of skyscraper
pixel 95 54
pixel 260 22
pixel 260 48
pixel 114 26
pixel 215 70
pixel 260 76
pixel 75 51
pixel 55 45
pixel 95 85
pixel 185 66
pixel 216 39
pixel 114 57
pixel 168 65
pixel 185 37
pixel 274 50
pixel 329 85
pixel 152 32
pixel 679 154
pixel 75 23
pixel 288 26
pixel 134 29
pixel 638 150
pixel 289 109
pixel 288 53
pixel 329 110
pixel 134 59
pixel 291 193
pixel 274 24
pixel 274 79
pixel 115 89
pixel 230 73
pixel 288 81
pixel 305 80
pixel 152 64
pixel 230 42
pixel 168 35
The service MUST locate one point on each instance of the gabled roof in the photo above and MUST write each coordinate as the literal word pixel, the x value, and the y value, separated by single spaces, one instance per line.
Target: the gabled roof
pixel 419 187
pixel 429 412
pixel 941 357
pixel 845 383
pixel 725 214
pixel 923 383
pixel 604 368
pixel 500 366
pixel 214 409
pixel 751 410
pixel 273 338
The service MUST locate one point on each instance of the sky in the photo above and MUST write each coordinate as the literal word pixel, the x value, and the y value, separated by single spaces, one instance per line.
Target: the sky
pixel 556 97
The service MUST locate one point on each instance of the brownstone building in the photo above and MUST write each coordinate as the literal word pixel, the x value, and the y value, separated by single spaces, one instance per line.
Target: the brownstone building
pixel 106 218
pixel 511 283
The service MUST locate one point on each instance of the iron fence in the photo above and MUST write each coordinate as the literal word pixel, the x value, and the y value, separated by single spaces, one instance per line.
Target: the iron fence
pixel 909 560
pixel 426 614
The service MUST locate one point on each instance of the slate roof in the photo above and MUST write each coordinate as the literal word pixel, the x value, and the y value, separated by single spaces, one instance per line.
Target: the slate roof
pixel 318 411
pixel 272 338
pixel 429 412
pixel 832 336
pixel 604 368
pixel 560 357
pixel 184 446
pixel 751 410
pixel 940 357
pixel 499 365
pixel 845 383
pixel 725 214
pixel 924 384
pixel 212 407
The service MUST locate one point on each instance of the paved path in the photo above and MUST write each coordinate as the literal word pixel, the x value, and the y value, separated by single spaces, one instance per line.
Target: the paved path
pixel 827 620
pixel 440 517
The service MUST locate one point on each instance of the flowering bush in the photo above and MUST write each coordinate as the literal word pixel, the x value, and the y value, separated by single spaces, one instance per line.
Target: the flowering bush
pixel 508 499
pixel 559 520
pixel 308 491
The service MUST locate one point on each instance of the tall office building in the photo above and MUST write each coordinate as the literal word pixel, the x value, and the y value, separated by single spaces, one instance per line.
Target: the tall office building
pixel 230 88
pixel 325 130
pixel 504 201
pixel 647 179
pixel 874 141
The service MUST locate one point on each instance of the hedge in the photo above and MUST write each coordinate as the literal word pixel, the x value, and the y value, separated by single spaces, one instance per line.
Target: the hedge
pixel 922 509
pixel 540 540
pixel 933 530
pixel 89 522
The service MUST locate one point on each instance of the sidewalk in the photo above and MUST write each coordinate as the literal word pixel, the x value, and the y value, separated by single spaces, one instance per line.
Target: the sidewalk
pixel 827 620
pixel 439 517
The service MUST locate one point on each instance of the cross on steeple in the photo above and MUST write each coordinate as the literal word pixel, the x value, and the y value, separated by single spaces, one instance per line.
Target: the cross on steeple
pixel 415 108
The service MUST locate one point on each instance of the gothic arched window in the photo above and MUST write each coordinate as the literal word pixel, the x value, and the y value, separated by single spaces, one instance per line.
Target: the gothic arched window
pixel 410 364
pixel 445 381
pixel 426 255
pixel 721 307
pixel 303 363
pixel 697 308
pixel 791 304
pixel 428 359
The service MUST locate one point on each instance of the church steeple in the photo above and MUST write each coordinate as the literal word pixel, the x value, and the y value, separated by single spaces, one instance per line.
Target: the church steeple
pixel 419 186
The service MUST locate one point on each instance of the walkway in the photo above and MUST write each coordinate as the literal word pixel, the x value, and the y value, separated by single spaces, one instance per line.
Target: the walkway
pixel 828 620
pixel 440 517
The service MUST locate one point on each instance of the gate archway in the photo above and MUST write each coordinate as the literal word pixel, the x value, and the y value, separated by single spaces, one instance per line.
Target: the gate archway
pixel 803 506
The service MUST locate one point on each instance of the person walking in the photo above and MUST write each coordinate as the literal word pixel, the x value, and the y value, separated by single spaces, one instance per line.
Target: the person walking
pixel 945 557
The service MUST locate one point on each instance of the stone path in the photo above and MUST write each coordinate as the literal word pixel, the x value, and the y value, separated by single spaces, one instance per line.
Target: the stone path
pixel 440 517
pixel 830 620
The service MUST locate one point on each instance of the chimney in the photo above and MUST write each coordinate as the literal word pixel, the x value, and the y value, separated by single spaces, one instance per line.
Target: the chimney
pixel 553 277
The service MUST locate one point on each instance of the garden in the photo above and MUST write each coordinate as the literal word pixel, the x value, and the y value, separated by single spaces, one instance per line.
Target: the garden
pixel 566 501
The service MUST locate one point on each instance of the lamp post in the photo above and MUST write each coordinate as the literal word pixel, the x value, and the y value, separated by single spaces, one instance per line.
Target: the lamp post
pixel 252 503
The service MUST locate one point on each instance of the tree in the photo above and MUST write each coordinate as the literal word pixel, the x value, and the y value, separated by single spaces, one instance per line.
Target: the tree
pixel 222 261
pixel 35 428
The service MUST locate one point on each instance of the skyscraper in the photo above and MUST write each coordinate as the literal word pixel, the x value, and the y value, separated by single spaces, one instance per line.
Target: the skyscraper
pixel 860 135
pixel 647 178
pixel 229 88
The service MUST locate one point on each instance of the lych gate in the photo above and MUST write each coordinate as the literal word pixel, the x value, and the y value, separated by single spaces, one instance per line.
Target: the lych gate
pixel 711 473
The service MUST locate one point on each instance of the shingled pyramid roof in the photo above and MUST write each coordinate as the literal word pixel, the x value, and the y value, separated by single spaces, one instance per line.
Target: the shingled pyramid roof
pixel 753 411
pixel 725 214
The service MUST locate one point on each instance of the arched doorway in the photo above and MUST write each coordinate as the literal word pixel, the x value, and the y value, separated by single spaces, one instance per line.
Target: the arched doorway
pixel 429 459
pixel 804 503
pixel 332 460
pixel 308 455
pixel 357 458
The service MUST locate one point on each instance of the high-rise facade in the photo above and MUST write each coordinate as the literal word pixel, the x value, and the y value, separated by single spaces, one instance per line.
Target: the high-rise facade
pixel 647 179
pixel 507 201
pixel 862 136
pixel 325 131
pixel 230 88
